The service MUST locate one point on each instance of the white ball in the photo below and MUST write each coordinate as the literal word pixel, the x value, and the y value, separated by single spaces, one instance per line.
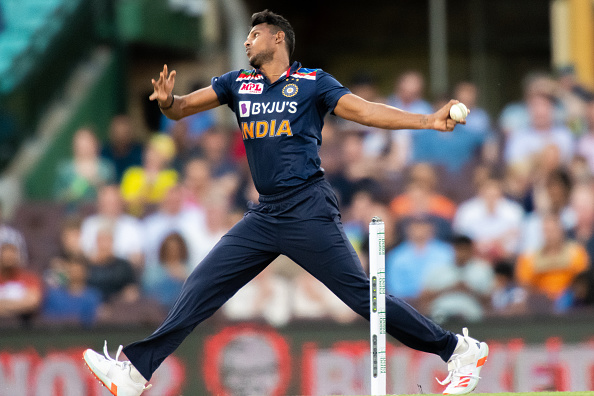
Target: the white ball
pixel 458 112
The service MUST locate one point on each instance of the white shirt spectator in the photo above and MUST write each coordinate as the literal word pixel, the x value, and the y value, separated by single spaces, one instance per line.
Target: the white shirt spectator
pixel 475 220
pixel 522 146
pixel 127 235
pixel 188 222
pixel 312 300
pixel 266 297
pixel 477 275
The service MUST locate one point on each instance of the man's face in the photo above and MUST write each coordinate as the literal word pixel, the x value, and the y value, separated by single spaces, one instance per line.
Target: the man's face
pixel 9 257
pixel 260 45
pixel 110 203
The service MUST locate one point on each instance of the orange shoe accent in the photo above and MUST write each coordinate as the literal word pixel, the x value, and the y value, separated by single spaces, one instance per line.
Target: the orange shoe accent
pixel 481 362
pixel 114 388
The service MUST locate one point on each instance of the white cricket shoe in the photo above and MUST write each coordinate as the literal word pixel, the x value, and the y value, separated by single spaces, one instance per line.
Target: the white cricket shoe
pixel 115 375
pixel 464 366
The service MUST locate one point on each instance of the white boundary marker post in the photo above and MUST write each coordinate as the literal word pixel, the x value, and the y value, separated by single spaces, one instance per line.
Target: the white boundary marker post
pixel 377 305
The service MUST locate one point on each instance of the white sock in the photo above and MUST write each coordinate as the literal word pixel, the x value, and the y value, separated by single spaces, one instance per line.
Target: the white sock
pixel 462 346
pixel 136 376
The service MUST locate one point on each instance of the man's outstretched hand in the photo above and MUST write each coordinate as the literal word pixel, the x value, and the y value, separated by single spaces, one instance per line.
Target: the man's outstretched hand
pixel 163 87
pixel 442 120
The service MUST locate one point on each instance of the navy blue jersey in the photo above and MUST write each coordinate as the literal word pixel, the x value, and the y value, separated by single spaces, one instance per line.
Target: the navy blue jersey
pixel 281 122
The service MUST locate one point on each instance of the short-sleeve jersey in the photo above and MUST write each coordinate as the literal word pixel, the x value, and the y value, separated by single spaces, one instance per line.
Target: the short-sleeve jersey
pixel 281 122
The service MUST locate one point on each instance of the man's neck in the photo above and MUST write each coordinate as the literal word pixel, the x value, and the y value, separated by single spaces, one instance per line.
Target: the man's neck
pixel 275 69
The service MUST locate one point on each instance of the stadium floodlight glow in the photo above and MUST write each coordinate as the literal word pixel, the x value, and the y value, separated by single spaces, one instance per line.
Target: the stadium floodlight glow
pixel 377 305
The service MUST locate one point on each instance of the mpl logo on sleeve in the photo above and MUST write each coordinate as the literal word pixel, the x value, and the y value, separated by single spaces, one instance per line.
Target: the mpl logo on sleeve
pixel 251 88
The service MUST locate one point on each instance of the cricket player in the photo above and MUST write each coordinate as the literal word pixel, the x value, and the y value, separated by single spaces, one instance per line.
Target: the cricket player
pixel 280 107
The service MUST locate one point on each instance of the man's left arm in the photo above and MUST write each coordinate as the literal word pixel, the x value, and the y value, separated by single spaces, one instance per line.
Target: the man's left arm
pixel 354 108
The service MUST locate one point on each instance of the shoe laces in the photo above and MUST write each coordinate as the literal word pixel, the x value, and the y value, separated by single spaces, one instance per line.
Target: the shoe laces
pixel 458 361
pixel 122 364
pixel 454 371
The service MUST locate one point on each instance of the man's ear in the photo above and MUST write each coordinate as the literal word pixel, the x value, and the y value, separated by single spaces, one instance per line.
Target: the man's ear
pixel 280 37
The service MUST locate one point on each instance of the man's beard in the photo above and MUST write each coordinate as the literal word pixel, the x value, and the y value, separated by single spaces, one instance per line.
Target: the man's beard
pixel 262 58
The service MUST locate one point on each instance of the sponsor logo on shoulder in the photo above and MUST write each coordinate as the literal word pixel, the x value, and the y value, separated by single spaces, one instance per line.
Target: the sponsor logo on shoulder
pixel 251 88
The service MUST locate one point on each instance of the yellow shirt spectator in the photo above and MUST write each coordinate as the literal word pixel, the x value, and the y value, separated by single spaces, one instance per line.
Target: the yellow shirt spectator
pixel 147 185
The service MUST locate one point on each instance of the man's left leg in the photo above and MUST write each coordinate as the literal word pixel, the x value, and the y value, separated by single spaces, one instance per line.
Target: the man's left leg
pixel 321 247
pixel 336 265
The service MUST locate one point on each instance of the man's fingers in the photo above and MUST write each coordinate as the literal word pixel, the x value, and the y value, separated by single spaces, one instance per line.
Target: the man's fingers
pixel 165 70
pixel 171 78
pixel 153 96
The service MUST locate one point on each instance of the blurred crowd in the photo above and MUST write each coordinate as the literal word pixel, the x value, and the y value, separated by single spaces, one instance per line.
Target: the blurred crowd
pixel 493 219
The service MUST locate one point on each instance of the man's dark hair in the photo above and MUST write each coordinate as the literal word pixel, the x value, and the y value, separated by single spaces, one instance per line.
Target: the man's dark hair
pixel 461 240
pixel 280 23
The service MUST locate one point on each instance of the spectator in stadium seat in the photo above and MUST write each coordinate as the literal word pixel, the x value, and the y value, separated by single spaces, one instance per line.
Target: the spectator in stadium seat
pixel 145 186
pixel 218 220
pixel 215 143
pixel 74 302
pixel 460 291
pixel 572 98
pixel 365 204
pixel 515 116
pixel 197 183
pixel 422 197
pixel 579 294
pixel 309 300
pixel 582 203
pixel 554 199
pixel 172 216
pixel 465 144
pixel 121 148
pixel 128 233
pixel 585 145
pixel 70 246
pixel 112 276
pixel 21 291
pixel 78 179
pixel 163 280
pixel 491 221
pixel 267 297
pixel 551 269
pixel 507 298
pixel 185 149
pixel 542 132
pixel 10 235
pixel 408 264
pixel 408 96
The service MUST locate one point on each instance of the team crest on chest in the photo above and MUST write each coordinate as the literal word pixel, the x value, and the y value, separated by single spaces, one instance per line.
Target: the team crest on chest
pixel 290 90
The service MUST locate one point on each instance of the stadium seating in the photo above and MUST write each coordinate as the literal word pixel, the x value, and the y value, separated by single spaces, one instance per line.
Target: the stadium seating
pixel 29 26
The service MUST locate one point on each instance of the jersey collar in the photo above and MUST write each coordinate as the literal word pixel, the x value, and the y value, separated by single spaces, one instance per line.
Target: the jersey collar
pixel 292 69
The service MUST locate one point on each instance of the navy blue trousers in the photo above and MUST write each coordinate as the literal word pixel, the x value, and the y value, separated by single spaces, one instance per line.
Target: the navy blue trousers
pixel 303 224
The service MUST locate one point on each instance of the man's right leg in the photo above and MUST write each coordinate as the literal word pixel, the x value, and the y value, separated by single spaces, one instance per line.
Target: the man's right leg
pixel 232 263
pixel 238 257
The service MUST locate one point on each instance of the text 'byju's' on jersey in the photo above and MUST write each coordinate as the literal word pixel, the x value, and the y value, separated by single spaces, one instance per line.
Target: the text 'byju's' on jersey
pixel 247 107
